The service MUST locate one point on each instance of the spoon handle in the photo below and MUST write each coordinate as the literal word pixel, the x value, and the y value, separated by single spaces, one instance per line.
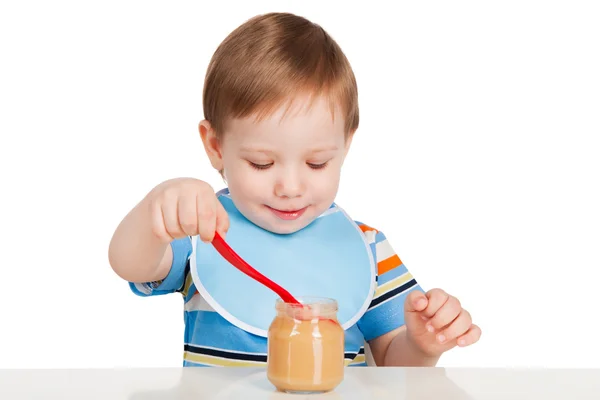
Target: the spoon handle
pixel 227 252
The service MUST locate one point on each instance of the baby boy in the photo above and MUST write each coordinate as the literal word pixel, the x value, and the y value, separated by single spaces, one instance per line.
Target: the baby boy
pixel 281 110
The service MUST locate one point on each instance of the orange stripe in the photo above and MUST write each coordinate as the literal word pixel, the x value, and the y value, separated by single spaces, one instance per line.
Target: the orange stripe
pixel 366 228
pixel 388 264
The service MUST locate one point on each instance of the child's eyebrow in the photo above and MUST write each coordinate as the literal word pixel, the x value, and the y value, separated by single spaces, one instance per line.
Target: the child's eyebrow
pixel 323 149
pixel 270 153
pixel 266 151
pixel 255 150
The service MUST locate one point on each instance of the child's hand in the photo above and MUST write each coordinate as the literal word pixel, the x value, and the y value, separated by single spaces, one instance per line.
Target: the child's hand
pixel 186 207
pixel 436 322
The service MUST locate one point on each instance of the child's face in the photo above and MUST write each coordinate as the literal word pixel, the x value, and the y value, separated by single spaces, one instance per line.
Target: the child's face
pixel 283 173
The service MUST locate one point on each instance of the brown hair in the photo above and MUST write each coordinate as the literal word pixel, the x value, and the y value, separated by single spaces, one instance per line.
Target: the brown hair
pixel 269 60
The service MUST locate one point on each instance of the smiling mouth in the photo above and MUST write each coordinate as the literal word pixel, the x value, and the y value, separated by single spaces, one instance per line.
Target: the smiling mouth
pixel 287 215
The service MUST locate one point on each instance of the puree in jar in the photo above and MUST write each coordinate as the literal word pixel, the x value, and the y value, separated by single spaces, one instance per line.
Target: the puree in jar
pixel 306 347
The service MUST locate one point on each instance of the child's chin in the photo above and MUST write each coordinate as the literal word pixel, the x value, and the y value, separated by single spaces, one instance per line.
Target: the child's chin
pixel 286 227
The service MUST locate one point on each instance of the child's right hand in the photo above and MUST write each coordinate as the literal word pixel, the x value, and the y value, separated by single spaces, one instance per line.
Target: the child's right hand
pixel 186 207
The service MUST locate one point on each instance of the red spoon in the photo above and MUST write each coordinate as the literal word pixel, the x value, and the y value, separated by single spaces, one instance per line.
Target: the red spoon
pixel 227 252
pixel 234 259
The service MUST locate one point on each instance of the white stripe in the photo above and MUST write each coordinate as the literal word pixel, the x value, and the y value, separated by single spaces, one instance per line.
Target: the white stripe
pixel 143 287
pixel 384 250
pixel 197 303
pixel 370 236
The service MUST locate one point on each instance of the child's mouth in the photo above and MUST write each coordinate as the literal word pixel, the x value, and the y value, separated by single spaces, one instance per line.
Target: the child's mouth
pixel 288 215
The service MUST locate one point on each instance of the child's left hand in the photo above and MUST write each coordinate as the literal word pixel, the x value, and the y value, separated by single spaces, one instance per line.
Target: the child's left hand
pixel 436 322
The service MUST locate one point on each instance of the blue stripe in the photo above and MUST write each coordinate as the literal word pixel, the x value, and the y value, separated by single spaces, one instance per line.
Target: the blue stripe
pixel 187 363
pixel 182 250
pixel 386 316
pixel 353 339
pixel 208 328
pixel 379 237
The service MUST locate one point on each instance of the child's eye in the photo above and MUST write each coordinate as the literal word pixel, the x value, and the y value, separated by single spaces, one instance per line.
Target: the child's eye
pixel 260 166
pixel 317 166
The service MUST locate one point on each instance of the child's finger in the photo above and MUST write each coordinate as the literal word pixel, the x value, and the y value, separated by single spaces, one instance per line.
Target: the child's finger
pixel 458 327
pixel 207 216
pixel 222 220
pixel 186 212
pixel 436 299
pixel 446 314
pixel 158 223
pixel 169 207
pixel 416 301
pixel 470 337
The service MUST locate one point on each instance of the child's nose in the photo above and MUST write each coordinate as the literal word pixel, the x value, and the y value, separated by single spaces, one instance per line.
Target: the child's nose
pixel 289 185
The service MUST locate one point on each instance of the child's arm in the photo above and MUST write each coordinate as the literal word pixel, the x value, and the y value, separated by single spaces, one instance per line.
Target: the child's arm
pixel 396 324
pixel 395 349
pixel 435 323
pixel 136 253
pixel 140 248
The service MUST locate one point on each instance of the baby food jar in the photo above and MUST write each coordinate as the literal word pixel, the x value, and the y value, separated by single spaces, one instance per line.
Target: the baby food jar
pixel 306 346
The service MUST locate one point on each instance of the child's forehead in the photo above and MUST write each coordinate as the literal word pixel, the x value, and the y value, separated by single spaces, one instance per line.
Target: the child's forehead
pixel 308 108
pixel 311 120
pixel 300 126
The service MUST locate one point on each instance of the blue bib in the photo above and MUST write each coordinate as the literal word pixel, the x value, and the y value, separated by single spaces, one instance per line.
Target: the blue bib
pixel 328 258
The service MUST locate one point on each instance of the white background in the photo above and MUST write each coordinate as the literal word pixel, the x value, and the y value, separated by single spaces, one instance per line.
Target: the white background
pixel 477 155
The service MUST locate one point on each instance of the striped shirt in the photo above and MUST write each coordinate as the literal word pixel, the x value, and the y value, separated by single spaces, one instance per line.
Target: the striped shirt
pixel 211 340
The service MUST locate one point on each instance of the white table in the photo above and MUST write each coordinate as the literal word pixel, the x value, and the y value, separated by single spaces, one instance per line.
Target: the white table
pixel 359 383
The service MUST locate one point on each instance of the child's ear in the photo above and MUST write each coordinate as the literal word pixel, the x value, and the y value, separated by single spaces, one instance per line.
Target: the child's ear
pixel 212 145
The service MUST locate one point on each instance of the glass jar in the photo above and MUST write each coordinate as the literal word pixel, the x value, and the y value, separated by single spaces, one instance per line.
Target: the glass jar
pixel 306 346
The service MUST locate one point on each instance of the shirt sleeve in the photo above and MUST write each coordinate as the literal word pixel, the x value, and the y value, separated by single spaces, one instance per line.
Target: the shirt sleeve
pixel 174 281
pixel 394 283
